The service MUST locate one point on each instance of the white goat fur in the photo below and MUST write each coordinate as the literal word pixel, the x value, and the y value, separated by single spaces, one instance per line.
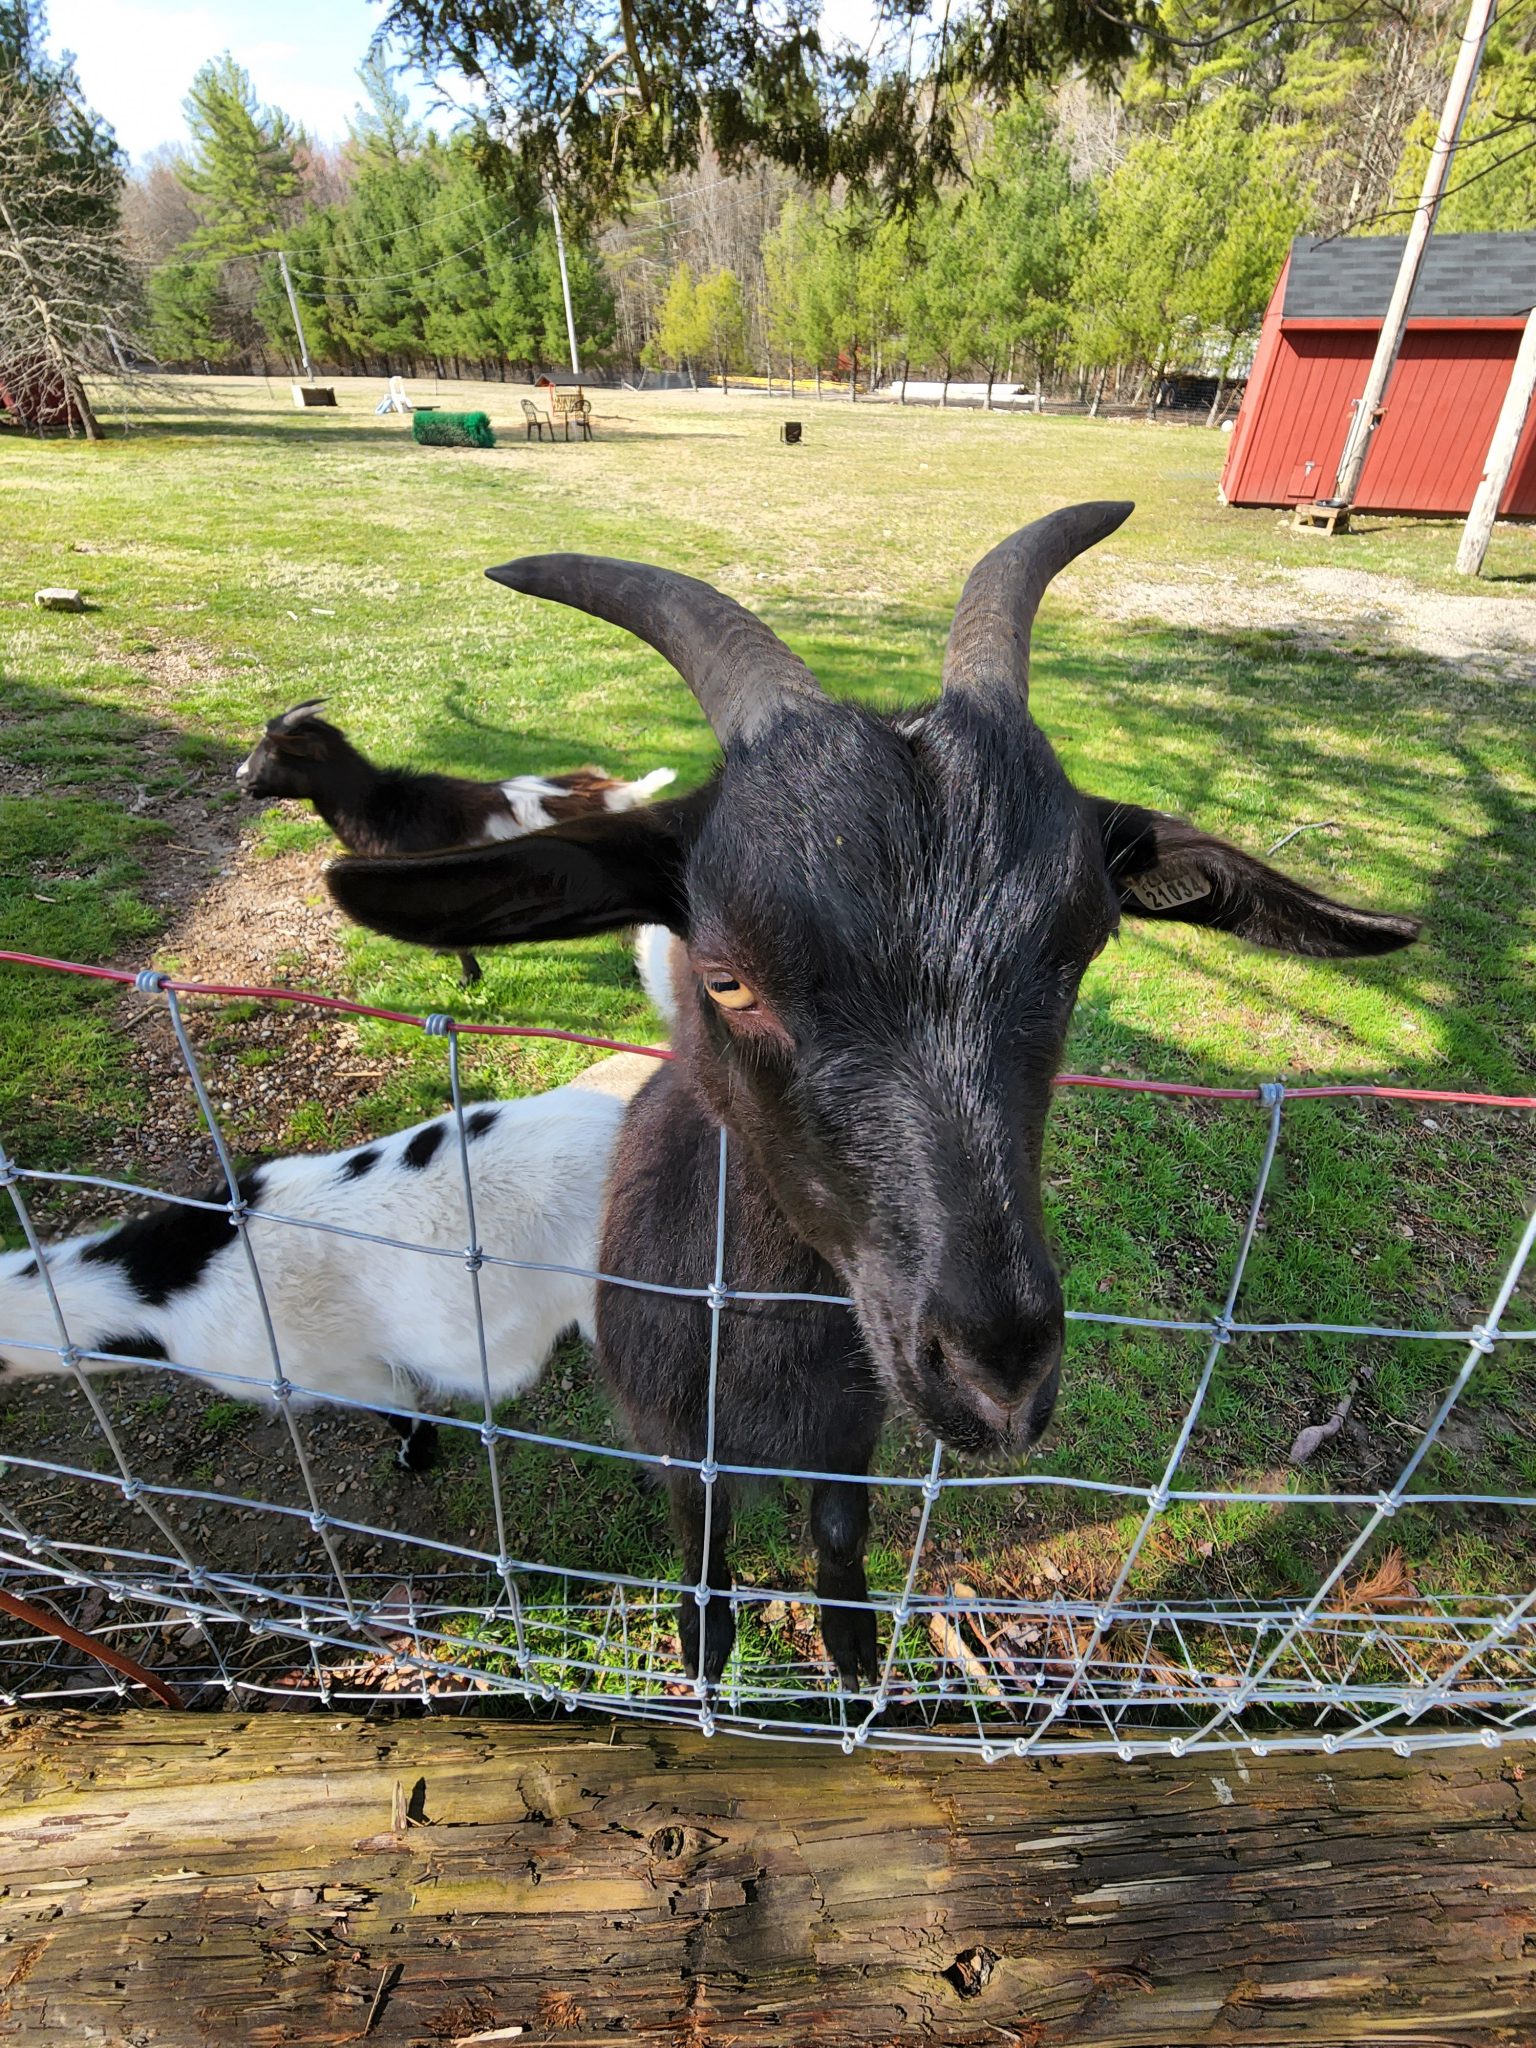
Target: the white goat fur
pixel 527 811
pixel 654 962
pixel 370 1322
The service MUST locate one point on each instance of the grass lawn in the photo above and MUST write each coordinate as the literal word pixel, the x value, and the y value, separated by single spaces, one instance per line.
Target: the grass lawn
pixel 238 556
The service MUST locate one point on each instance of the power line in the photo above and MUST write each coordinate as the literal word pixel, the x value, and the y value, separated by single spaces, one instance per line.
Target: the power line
pixel 425 270
pixel 1396 212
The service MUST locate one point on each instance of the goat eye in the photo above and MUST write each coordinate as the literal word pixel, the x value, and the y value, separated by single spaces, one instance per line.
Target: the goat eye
pixel 728 992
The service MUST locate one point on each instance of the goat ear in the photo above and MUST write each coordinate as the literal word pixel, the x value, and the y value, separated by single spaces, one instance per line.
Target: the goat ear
pixel 1162 866
pixel 596 873
pixel 301 745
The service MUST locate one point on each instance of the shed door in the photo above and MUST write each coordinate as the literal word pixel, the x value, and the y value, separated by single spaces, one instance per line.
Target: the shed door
pixel 1304 483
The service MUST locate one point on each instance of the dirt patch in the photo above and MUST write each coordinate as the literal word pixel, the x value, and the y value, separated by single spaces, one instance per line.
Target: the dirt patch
pixel 177 1434
pixel 1336 607
pixel 265 922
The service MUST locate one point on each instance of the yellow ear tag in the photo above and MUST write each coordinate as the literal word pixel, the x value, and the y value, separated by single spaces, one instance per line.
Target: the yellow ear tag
pixel 1168 888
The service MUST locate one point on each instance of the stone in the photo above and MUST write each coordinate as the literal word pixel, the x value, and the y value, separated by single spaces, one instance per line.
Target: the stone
pixel 60 600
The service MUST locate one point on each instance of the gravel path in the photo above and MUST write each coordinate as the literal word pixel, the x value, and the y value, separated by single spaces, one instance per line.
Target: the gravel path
pixel 1335 606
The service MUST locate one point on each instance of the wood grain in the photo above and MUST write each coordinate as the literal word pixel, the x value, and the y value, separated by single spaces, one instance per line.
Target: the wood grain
pixel 181 1879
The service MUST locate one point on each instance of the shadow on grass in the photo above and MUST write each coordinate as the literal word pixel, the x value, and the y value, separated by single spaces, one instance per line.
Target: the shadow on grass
pixel 1421 768
pixel 108 819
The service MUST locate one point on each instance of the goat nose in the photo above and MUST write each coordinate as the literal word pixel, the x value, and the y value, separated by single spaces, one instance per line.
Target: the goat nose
pixel 1005 1356
pixel 1020 1418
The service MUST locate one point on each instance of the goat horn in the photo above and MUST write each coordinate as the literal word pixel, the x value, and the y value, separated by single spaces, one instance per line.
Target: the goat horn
pixel 740 671
pixel 292 716
pixel 988 651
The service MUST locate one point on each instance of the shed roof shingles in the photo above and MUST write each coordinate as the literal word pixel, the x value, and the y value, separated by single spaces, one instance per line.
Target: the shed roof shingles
pixel 1465 277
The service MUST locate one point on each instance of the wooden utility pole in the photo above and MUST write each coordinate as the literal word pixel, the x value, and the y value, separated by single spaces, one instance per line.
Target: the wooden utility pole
pixel 293 307
pixel 565 284
pixel 311 1880
pixel 1368 407
pixel 1502 450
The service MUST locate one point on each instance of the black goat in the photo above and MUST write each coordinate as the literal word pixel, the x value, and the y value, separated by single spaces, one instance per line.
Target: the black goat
pixel 399 810
pixel 885 921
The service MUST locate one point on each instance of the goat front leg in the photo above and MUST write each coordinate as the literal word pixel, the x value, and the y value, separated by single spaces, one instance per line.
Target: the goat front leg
pixel 417 1448
pixel 718 1623
pixel 840 1531
pixel 469 970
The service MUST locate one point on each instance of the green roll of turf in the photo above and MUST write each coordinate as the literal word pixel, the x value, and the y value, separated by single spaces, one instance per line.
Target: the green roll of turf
pixel 453 430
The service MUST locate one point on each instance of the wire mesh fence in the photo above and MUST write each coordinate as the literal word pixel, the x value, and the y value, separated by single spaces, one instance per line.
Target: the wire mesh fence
pixel 1127 1658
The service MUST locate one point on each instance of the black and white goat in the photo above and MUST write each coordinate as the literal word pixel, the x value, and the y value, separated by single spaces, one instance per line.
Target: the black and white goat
pixel 401 810
pixel 372 1322
pixel 883 922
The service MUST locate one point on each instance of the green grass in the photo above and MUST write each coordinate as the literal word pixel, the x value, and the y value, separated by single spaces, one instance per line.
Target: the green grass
pixel 238 557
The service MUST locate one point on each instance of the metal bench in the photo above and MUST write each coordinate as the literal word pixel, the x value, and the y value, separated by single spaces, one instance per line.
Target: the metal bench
pixel 536 421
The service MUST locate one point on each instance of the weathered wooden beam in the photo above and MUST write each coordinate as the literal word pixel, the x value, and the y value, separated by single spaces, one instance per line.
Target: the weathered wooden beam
pixel 177 1879
pixel 1500 459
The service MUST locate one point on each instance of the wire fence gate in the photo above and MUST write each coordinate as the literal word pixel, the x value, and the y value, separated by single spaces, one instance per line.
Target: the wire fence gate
pixel 987 1671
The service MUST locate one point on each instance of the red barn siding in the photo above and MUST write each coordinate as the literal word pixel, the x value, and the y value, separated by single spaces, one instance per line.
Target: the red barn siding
pixel 1428 453
pixel 1239 447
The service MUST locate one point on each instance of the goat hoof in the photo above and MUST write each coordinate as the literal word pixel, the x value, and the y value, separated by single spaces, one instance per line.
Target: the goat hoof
pixel 417 1451
pixel 719 1636
pixel 469 970
pixel 853 1644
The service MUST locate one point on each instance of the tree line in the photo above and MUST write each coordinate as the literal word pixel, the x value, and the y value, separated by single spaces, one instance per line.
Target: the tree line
pixel 1107 220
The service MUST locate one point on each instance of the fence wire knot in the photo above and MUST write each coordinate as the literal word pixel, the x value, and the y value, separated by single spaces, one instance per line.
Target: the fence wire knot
pixel 1271 1093
pixel 150 982
pixel 438 1025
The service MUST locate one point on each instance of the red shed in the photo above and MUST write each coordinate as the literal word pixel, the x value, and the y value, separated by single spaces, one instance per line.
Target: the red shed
pixel 1474 295
pixel 37 401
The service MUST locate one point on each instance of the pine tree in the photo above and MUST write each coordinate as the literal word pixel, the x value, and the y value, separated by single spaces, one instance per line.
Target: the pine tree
pixel 1027 214
pixel 382 132
pixel 243 166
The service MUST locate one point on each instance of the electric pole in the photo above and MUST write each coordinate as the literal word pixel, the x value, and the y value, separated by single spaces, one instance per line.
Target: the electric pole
pixel 565 286
pixel 293 307
pixel 1368 407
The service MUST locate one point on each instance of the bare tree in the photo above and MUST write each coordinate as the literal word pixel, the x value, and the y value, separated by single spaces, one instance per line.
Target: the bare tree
pixel 63 284
pixel 159 214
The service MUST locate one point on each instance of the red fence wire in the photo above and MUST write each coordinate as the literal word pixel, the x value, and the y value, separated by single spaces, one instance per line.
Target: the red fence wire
pixel 1379 1090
